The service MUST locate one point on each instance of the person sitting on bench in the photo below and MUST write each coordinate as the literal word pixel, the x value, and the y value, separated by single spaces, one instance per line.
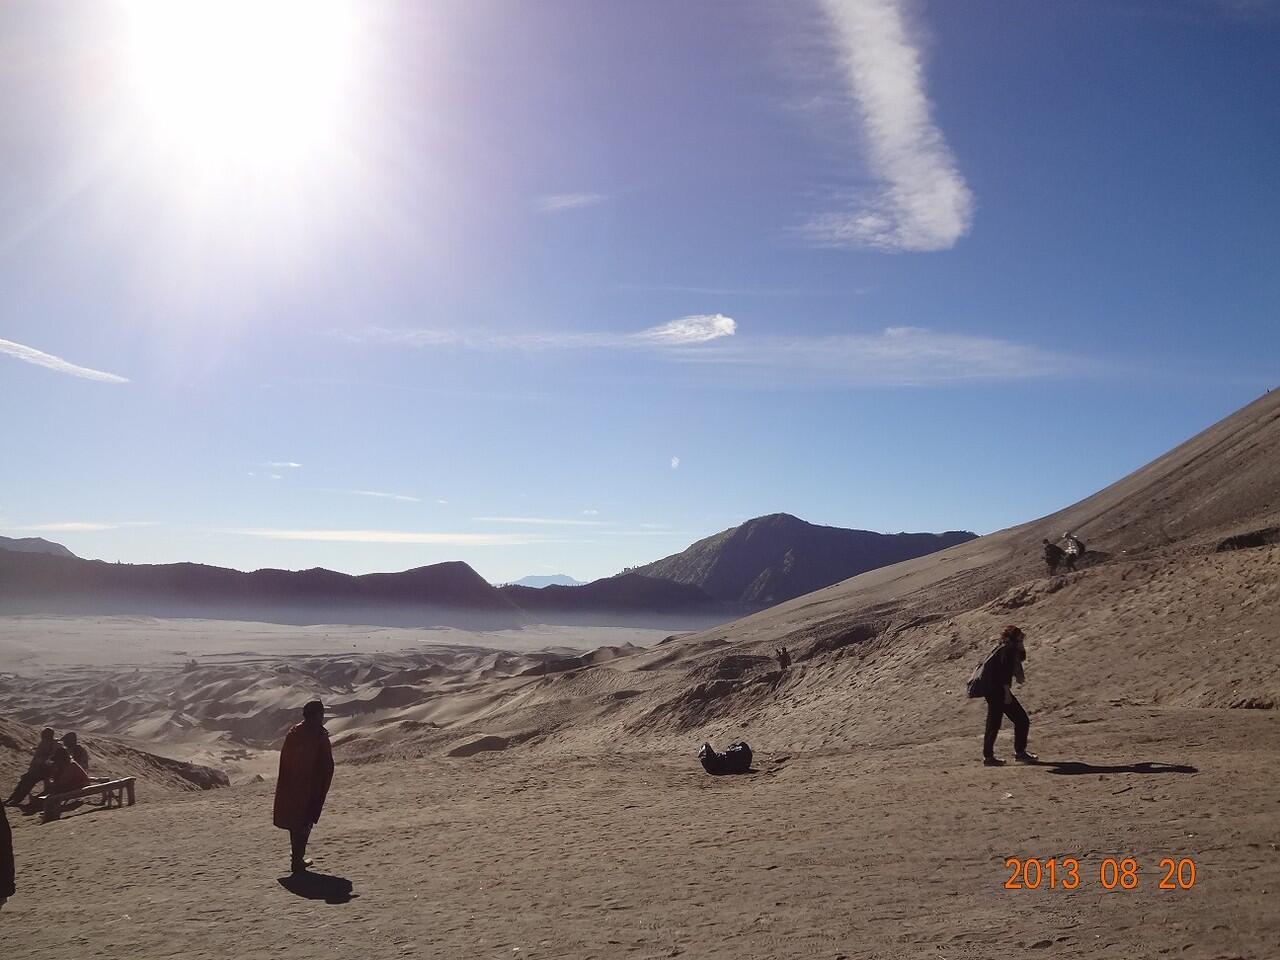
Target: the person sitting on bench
pixel 65 775
pixel 77 750
pixel 37 771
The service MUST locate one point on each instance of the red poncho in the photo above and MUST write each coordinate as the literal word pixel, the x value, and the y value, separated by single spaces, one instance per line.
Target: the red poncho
pixel 306 770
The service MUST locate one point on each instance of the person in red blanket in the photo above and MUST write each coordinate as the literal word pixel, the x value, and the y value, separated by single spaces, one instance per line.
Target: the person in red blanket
pixel 306 771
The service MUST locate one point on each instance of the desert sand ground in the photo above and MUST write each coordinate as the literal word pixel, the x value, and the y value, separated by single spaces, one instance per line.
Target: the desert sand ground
pixel 892 852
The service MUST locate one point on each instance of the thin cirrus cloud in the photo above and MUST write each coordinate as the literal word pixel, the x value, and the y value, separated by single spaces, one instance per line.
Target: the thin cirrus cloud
pixel 922 202
pixel 379 494
pixel 559 202
pixel 545 521
pixel 82 526
pixel 896 356
pixel 394 537
pixel 687 331
pixel 49 361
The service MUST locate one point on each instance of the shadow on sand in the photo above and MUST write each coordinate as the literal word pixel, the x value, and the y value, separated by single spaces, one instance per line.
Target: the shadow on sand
pixel 1077 767
pixel 318 886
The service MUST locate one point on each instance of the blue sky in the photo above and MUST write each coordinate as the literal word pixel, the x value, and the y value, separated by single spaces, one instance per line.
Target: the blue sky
pixel 563 287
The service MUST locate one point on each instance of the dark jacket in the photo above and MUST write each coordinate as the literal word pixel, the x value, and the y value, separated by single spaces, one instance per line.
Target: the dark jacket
pixel 1001 667
pixel 6 857
pixel 306 771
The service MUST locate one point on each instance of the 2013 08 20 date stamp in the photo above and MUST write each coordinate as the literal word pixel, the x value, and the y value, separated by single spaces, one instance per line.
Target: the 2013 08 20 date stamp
pixel 1111 873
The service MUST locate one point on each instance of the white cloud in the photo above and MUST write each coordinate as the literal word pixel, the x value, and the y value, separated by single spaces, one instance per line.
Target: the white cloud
pixel 442 502
pixel 687 331
pixel 276 476
pixel 675 463
pixel 282 464
pixel 923 202
pixel 897 356
pixel 545 521
pixel 42 359
pixel 590 513
pixel 394 536
pixel 557 202
pixel 386 496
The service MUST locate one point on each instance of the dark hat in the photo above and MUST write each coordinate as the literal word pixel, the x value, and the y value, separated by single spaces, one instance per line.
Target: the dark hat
pixel 1011 632
pixel 314 708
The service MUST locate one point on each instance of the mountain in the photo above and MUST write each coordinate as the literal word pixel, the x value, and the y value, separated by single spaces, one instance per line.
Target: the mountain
pixel 552 580
pixel 778 557
pixel 625 598
pixel 439 593
pixel 34 545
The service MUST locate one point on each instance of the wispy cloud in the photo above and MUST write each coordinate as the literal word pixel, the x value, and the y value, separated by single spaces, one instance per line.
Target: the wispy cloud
pixel 386 496
pixel 689 330
pixel 82 526
pixel 681 332
pixel 394 536
pixel 545 521
pixel 590 513
pixel 282 464
pixel 558 202
pixel 923 202
pixel 675 463
pixel 48 360
pixel 897 356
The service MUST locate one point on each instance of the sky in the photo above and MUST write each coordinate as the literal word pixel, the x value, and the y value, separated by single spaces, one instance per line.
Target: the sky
pixel 562 287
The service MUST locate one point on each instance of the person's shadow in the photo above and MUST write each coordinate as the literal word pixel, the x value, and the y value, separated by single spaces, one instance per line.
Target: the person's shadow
pixel 1077 767
pixel 319 886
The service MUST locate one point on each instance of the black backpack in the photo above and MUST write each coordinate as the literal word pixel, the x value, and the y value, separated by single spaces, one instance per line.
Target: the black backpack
pixel 735 759
pixel 979 684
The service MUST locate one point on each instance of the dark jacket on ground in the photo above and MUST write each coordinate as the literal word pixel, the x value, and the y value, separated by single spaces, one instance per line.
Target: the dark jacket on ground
pixel 6 857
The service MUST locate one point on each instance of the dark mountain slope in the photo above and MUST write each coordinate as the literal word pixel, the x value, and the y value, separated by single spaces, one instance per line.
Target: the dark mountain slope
pixel 779 557
pixel 443 592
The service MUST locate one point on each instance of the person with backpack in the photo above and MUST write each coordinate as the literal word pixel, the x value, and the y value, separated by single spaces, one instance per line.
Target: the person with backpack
pixel 1074 551
pixel 993 681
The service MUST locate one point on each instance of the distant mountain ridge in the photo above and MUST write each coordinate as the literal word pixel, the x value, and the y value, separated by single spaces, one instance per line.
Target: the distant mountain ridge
pixel 537 581
pixel 34 545
pixel 443 592
pixel 778 557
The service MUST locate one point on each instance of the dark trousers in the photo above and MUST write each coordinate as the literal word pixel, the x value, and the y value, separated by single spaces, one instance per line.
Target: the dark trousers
pixel 997 709
pixel 26 785
pixel 298 844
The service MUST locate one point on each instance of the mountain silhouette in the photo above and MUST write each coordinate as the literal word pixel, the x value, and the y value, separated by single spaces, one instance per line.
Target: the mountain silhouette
pixel 779 557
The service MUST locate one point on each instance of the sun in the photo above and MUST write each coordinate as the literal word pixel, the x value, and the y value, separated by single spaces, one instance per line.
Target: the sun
pixel 235 89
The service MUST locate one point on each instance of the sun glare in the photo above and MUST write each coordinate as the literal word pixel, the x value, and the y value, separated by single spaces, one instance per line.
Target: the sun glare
pixel 241 85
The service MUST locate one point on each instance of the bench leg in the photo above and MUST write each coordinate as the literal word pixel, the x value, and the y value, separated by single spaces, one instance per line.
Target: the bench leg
pixel 129 787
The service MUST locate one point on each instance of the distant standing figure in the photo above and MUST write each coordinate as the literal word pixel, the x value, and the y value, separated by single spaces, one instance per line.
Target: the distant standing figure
pixel 784 657
pixel 1052 556
pixel 1074 551
pixel 38 770
pixel 78 753
pixel 7 888
pixel 1001 669
pixel 306 771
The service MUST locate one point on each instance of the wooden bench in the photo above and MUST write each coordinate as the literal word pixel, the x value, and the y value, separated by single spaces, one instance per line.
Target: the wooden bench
pixel 113 793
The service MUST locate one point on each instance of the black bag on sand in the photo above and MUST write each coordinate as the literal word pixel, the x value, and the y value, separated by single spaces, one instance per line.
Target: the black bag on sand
pixel 735 759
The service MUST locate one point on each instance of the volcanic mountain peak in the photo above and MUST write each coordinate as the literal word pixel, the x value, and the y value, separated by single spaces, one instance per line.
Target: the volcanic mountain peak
pixel 778 557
